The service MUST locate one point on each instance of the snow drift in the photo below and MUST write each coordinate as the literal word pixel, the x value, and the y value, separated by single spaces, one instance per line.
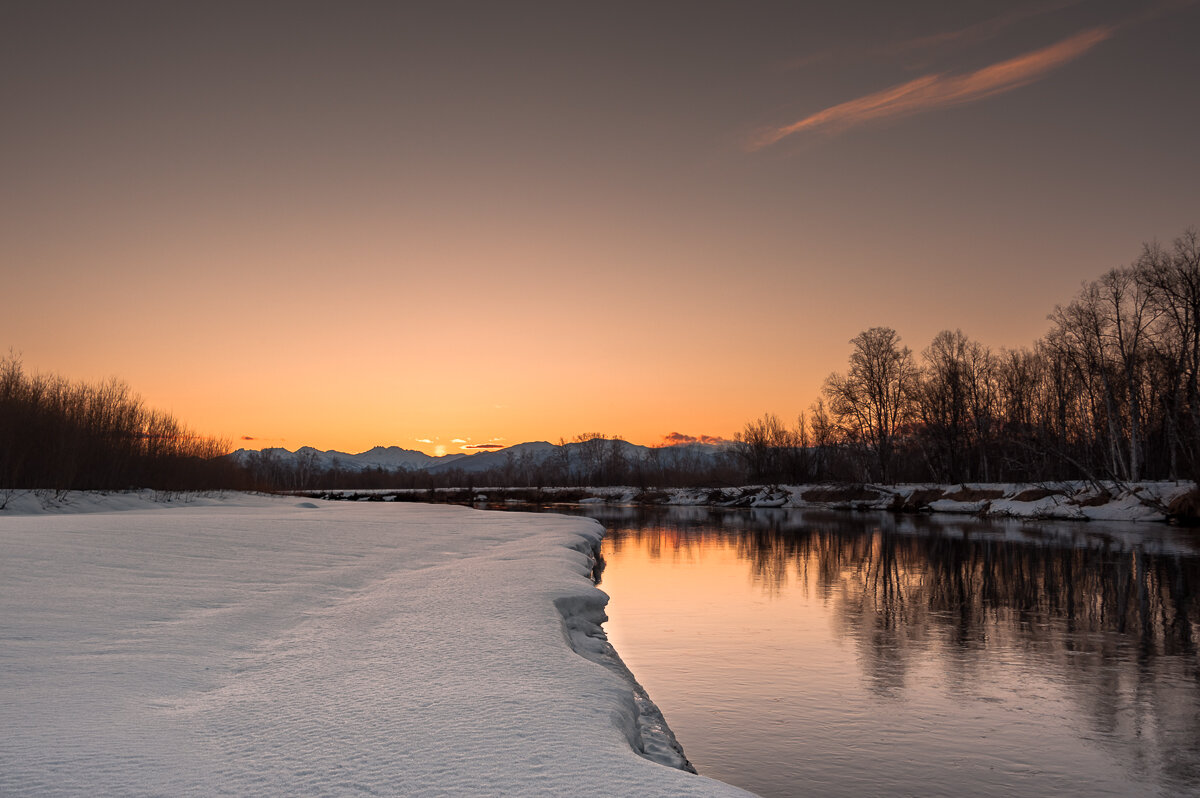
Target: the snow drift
pixel 247 645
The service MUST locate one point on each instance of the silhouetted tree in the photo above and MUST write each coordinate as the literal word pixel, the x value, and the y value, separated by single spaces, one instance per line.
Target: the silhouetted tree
pixel 872 401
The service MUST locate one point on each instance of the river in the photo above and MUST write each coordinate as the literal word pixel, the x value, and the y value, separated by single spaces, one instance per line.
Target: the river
pixel 855 654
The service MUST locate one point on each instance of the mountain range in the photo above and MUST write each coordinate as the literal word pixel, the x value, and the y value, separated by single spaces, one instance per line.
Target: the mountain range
pixel 391 458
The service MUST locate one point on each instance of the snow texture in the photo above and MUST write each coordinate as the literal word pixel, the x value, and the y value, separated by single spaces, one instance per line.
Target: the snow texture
pixel 245 645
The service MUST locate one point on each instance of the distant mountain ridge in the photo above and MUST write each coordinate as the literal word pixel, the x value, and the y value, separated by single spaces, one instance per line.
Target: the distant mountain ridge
pixel 388 458
pixel 392 458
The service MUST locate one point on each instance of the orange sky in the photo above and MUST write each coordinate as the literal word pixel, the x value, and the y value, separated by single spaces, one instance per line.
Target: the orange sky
pixel 365 225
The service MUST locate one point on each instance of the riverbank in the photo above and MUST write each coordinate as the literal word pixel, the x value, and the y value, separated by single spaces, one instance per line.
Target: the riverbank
pixel 240 644
pixel 1061 501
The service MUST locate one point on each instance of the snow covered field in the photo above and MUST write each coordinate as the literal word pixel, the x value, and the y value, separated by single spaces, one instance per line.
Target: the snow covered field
pixel 249 645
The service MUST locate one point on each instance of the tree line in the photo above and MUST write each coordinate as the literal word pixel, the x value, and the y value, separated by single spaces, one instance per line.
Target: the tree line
pixel 65 435
pixel 1111 392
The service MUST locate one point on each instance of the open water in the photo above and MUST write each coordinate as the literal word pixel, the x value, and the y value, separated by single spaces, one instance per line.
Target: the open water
pixel 854 654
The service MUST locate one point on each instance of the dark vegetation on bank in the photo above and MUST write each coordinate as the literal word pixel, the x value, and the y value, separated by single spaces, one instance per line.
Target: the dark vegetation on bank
pixel 63 435
pixel 1110 394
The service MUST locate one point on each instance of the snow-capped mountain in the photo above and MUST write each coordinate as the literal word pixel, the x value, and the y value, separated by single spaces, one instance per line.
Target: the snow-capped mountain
pixel 389 458
pixel 572 456
pixel 533 453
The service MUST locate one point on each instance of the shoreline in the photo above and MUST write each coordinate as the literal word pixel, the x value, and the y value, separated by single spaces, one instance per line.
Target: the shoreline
pixel 1159 502
pixel 584 616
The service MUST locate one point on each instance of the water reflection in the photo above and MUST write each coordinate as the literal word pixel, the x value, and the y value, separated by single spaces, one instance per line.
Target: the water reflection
pixel 1082 630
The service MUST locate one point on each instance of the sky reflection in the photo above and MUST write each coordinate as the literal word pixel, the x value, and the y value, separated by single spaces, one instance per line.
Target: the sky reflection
pixel 863 654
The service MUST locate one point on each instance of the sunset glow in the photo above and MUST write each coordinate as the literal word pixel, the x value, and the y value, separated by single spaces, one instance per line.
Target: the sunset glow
pixel 368 224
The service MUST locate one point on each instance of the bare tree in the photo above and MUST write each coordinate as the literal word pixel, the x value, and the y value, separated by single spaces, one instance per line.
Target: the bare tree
pixel 872 401
pixel 771 452
pixel 1173 278
pixel 942 400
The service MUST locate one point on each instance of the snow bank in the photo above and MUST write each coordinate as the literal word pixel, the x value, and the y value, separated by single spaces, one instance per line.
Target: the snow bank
pixel 1067 501
pixel 1074 501
pixel 248 645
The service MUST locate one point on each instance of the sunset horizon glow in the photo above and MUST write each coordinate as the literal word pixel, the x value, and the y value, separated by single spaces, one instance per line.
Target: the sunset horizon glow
pixel 373 224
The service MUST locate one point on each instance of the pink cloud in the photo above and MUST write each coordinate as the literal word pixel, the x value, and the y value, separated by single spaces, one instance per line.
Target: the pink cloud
pixel 679 439
pixel 940 90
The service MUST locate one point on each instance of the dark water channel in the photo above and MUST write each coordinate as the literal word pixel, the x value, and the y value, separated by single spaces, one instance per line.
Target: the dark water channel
pixel 839 654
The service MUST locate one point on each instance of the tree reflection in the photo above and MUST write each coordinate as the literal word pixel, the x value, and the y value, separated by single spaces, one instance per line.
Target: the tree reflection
pixel 1109 615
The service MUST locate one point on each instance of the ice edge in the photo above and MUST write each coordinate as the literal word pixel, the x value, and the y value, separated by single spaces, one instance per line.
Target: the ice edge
pixel 640 720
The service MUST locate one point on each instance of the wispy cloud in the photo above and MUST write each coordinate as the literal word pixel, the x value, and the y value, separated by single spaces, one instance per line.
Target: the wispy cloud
pixel 940 90
pixel 424 440
pixel 482 446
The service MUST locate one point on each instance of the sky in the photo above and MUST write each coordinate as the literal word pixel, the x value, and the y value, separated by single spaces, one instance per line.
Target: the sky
pixel 349 224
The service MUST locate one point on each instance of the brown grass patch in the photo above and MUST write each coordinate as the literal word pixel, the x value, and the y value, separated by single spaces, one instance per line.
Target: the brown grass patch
pixel 1185 509
pixel 1101 498
pixel 919 500
pixel 850 493
pixel 1036 494
pixel 965 494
